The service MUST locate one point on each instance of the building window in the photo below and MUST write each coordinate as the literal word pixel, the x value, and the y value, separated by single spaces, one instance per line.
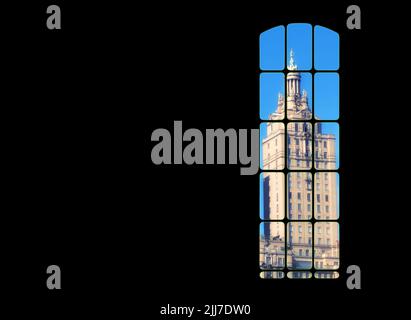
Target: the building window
pixel 289 95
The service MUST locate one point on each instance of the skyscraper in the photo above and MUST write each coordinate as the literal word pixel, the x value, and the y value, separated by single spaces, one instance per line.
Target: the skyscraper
pixel 308 195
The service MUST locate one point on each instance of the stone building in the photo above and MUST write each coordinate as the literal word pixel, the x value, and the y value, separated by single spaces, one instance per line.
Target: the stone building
pixel 302 194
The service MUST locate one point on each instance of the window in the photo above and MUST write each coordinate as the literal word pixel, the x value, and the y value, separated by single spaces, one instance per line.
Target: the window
pixel 306 94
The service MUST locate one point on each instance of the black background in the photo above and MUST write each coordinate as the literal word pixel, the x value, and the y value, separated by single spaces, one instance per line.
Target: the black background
pixel 80 189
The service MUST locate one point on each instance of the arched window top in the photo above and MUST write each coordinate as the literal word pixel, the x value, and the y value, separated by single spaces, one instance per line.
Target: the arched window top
pixel 272 51
pixel 300 38
pixel 326 49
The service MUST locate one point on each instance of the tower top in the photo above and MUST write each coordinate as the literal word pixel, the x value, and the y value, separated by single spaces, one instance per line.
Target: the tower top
pixel 292 65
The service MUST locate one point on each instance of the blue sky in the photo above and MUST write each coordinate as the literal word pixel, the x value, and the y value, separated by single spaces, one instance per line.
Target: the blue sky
pixel 299 38
pixel 326 49
pixel 272 48
pixel 326 99
pixel 326 57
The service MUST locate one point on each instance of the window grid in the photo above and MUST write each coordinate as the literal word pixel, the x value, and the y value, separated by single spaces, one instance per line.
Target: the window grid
pixel 311 220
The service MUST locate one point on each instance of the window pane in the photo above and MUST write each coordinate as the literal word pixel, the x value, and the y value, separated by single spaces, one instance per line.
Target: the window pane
pixel 299 41
pixel 272 153
pixel 272 49
pixel 299 135
pixel 271 275
pixel 298 242
pixel 327 97
pixel 326 245
pixel 299 195
pixel 326 49
pixel 272 250
pixel 326 147
pixel 299 275
pixel 272 197
pixel 272 96
pixel 326 275
pixel 299 93
pixel 327 196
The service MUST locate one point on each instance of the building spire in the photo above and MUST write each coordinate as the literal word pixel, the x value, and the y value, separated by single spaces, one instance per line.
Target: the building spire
pixel 292 65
